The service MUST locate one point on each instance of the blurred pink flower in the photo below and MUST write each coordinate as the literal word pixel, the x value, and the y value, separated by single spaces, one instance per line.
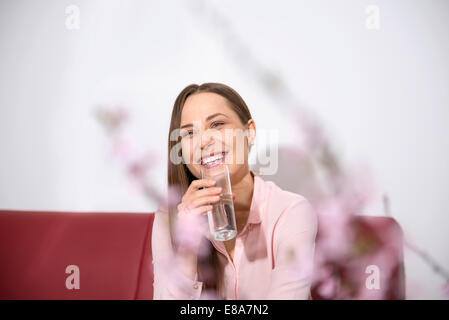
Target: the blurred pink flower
pixel 122 148
pixel 445 289
pixel 112 118
pixel 189 232
pixel 329 287
pixel 336 235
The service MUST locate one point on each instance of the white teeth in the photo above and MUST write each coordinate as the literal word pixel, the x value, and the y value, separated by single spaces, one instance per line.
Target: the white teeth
pixel 213 158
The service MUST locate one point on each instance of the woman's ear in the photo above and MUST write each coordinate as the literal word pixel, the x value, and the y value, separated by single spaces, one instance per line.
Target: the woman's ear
pixel 251 131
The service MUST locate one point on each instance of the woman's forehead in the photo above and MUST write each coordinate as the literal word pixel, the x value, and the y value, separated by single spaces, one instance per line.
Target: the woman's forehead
pixel 201 105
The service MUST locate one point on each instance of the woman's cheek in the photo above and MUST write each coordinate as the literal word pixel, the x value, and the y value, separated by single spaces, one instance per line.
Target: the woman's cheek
pixel 239 154
pixel 187 151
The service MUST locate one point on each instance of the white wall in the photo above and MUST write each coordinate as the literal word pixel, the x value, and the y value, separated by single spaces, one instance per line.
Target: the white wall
pixel 381 95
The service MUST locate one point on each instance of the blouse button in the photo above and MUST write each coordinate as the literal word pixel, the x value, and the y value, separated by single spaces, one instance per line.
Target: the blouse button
pixel 195 286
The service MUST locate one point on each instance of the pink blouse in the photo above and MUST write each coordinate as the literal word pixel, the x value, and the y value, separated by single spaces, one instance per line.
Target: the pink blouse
pixel 273 255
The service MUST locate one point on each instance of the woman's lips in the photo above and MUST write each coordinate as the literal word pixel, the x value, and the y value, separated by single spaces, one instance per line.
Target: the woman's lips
pixel 214 163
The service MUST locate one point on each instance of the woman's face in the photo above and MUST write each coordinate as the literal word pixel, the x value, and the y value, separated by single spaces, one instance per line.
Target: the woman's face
pixel 210 125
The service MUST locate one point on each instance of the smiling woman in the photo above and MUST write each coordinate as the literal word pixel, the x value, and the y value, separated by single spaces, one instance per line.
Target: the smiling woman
pixel 272 254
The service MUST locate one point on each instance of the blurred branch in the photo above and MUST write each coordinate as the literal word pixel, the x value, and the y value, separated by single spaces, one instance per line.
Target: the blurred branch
pixel 426 257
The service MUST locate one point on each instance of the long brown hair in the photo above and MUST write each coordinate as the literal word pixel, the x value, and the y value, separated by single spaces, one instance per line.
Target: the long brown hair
pixel 180 177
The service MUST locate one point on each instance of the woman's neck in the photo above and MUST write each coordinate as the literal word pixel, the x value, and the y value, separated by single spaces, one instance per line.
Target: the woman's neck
pixel 243 191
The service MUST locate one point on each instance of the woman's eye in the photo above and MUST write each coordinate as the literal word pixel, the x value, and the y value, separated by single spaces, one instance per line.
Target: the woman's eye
pixel 220 123
pixel 187 133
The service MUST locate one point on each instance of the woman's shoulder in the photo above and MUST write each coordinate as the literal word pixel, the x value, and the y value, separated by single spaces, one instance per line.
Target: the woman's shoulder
pixel 160 233
pixel 282 198
pixel 288 206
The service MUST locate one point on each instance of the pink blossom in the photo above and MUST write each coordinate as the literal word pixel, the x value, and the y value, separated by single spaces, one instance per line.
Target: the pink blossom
pixel 445 289
pixel 189 231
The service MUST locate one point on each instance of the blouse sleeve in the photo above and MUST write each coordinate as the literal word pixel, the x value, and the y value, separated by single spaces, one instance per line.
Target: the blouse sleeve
pixel 293 250
pixel 169 282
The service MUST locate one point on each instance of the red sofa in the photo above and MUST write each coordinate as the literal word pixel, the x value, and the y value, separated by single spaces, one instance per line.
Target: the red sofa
pixel 111 251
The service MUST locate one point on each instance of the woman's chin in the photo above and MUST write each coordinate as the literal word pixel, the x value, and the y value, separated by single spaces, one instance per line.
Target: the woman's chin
pixel 236 169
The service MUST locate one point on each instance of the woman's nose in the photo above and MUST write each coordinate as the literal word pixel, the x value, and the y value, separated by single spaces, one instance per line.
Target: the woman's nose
pixel 206 140
pixel 206 144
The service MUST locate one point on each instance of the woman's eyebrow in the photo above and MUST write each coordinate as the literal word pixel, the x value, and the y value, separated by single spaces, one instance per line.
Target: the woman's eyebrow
pixel 207 119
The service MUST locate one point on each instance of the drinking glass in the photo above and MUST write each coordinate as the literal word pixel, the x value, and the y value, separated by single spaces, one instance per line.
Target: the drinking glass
pixel 221 218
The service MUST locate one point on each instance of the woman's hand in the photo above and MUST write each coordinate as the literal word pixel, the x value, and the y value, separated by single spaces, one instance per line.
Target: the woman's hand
pixel 195 203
